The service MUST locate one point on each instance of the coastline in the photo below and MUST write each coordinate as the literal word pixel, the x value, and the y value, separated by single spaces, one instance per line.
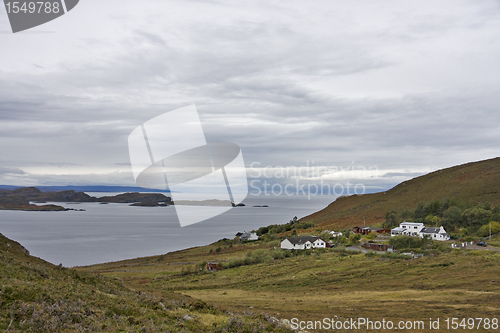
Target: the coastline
pixel 117 231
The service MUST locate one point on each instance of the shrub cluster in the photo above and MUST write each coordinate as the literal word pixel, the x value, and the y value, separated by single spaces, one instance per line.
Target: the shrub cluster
pixel 293 224
pixel 259 256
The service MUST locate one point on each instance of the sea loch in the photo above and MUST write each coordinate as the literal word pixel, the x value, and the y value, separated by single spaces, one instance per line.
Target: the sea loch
pixel 112 232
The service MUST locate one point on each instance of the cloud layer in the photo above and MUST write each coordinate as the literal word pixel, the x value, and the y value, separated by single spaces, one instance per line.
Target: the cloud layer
pixel 406 87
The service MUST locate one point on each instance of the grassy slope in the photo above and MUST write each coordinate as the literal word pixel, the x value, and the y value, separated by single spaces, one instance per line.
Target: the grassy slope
pixel 37 296
pixel 455 284
pixel 472 183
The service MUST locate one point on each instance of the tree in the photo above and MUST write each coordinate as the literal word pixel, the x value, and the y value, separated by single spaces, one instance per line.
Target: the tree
pixel 421 211
pixel 496 213
pixel 354 238
pixel 391 219
pixel 407 215
pixel 445 205
pixel 433 220
pixel 452 217
pixel 485 229
pixel 475 217
pixel 262 231
pixel 434 208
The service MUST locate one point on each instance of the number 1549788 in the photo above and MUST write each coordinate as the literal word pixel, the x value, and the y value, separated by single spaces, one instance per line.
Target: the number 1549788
pixel 32 7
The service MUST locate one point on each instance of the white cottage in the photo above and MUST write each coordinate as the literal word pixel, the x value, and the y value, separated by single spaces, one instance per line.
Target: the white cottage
pixel 249 236
pixel 420 230
pixel 334 233
pixel 303 243
pixel 435 233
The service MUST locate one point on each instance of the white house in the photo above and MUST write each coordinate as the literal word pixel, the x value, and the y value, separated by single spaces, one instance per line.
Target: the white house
pixel 435 233
pixel 303 243
pixel 411 228
pixel 420 230
pixel 334 233
pixel 248 236
pixel 397 231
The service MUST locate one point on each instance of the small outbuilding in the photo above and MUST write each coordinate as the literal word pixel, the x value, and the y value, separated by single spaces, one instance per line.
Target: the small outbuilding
pixel 379 247
pixel 213 267
pixel 367 230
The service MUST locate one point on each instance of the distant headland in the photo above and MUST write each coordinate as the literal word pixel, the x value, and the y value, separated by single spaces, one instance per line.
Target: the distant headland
pixel 22 198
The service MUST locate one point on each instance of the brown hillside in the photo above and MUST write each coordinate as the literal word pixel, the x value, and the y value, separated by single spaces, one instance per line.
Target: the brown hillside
pixel 473 183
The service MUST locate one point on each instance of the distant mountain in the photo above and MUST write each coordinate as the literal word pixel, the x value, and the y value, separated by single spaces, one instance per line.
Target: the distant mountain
pixel 88 188
pixel 20 198
pixel 473 183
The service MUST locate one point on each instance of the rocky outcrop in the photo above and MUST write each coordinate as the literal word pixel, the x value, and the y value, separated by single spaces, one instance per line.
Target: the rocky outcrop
pixel 136 197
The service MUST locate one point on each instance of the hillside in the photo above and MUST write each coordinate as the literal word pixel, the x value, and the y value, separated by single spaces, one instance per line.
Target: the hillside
pixel 37 296
pixel 475 182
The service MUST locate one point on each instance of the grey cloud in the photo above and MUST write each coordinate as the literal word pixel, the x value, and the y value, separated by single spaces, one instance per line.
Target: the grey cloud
pixel 154 39
pixel 13 171
pixel 258 83
pixel 406 175
pixel 111 178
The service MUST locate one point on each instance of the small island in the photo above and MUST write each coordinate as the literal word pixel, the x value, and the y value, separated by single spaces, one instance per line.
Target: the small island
pixel 26 199
pixel 22 198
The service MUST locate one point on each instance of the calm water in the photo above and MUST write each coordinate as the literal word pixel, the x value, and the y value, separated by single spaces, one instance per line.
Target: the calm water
pixel 114 232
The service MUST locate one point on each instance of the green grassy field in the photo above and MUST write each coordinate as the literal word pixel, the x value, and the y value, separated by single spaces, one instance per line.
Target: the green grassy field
pixel 36 296
pixel 158 294
pixel 324 284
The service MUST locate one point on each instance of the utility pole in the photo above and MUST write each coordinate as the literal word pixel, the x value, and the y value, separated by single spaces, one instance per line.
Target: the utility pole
pixel 364 225
pixel 490 231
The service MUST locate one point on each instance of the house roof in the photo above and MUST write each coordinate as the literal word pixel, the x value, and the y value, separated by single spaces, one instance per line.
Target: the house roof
pixel 434 231
pixel 369 228
pixel 302 239
pixel 411 223
pixel 429 230
pixel 398 229
pixel 246 235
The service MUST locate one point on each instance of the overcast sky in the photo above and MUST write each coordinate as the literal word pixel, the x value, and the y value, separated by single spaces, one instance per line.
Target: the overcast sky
pixel 401 87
